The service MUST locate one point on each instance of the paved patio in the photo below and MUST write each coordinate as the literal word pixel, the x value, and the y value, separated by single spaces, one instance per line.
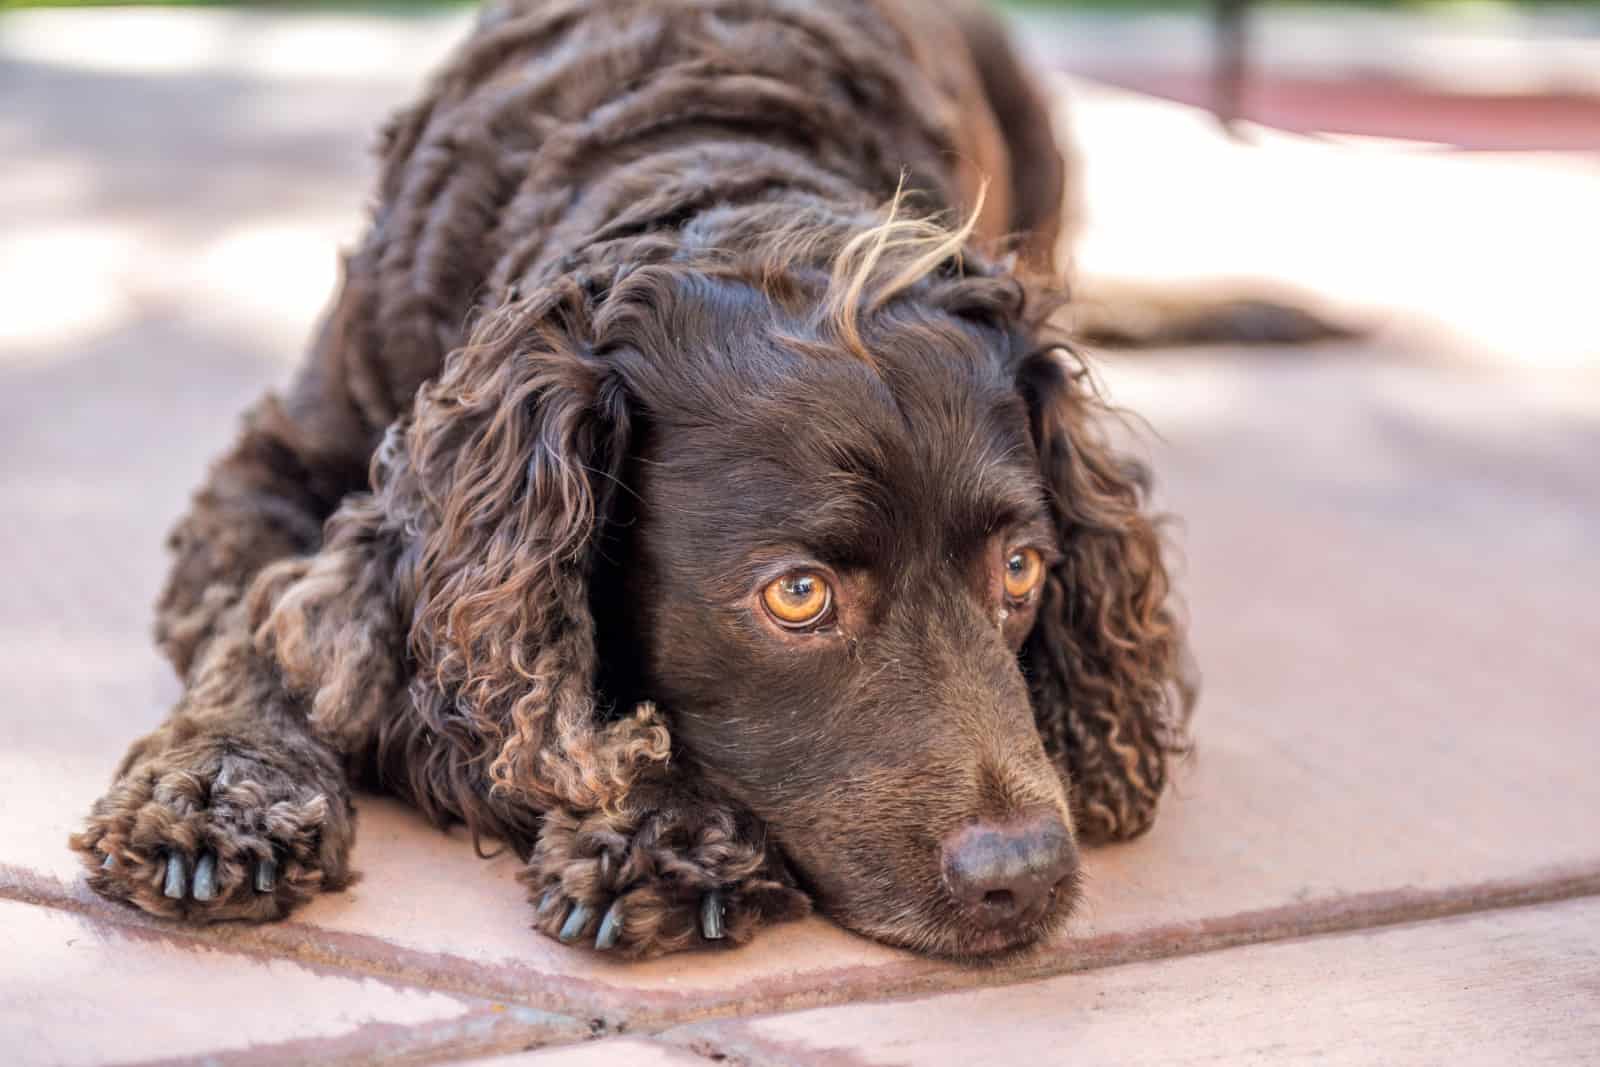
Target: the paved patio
pixel 1386 849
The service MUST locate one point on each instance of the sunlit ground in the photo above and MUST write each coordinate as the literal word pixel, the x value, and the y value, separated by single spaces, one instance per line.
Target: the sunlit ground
pixel 1380 541
pixel 1498 252
pixel 204 165
pixel 209 163
pixel 1459 47
pixel 178 184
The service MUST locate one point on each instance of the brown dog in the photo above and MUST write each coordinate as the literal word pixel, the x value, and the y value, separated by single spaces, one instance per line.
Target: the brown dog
pixel 730 543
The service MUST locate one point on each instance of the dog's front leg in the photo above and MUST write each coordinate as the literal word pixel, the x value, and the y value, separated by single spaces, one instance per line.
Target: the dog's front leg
pixel 678 866
pixel 238 807
pixel 232 808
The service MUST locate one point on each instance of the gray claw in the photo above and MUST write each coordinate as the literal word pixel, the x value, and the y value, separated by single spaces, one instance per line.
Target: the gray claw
pixel 572 929
pixel 547 903
pixel 177 884
pixel 109 863
pixel 610 927
pixel 711 916
pixel 205 877
pixel 266 876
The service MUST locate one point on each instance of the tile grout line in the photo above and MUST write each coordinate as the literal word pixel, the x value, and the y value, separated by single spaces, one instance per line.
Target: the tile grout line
pixel 727 1039
pixel 408 967
pixel 487 1027
pixel 734 1044
pixel 614 1011
pixel 476 1035
pixel 733 1041
pixel 314 947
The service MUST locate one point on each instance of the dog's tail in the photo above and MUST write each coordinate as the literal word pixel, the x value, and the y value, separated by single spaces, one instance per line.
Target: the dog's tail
pixel 1137 313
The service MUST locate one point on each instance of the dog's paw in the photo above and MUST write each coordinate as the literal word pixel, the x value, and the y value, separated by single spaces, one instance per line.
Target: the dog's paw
pixel 206 833
pixel 662 883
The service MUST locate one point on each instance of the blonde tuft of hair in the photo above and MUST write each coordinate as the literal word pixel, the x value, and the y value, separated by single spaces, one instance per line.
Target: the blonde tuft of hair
pixel 880 262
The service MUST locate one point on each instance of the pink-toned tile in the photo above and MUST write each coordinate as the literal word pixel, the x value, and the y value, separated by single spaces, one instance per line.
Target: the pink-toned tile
pixel 1516 986
pixel 1396 717
pixel 1397 712
pixel 75 990
pixel 414 880
pixel 1389 568
pixel 615 1052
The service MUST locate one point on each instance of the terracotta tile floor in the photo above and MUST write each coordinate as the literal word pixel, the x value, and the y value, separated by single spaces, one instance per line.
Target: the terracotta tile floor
pixel 1384 849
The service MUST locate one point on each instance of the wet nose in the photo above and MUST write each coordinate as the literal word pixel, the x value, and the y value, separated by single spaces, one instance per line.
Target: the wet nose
pixel 1005 873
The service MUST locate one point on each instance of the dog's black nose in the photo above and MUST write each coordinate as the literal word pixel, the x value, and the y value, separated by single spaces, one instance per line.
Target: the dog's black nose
pixel 1006 873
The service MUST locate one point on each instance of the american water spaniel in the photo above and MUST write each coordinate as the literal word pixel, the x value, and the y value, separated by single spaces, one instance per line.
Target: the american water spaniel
pixel 688 491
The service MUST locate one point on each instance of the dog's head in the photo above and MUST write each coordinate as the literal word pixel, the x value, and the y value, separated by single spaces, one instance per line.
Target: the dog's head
pixel 852 530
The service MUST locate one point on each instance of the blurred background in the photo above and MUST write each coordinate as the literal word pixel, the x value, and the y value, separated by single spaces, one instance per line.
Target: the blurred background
pixel 178 178
pixel 178 181
pixel 1388 545
pixel 1434 162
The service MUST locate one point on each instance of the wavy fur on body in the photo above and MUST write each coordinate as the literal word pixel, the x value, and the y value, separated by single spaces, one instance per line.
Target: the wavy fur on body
pixel 447 563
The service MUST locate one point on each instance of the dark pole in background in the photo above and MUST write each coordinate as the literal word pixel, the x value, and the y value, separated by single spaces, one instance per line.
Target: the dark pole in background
pixel 1229 72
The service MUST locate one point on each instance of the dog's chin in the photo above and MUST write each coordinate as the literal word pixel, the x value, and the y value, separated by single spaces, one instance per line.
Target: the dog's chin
pixel 944 934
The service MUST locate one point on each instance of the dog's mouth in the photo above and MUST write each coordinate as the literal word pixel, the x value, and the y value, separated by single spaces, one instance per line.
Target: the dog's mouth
pixel 974 944
pixel 963 943
pixel 941 929
pixel 968 889
pixel 996 946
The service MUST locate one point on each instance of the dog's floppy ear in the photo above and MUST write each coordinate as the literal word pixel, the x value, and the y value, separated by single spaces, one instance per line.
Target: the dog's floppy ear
pixel 1105 656
pixel 511 455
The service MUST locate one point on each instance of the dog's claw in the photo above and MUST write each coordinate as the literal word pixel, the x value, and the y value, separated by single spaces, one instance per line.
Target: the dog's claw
pixel 266 876
pixel 711 915
pixel 109 863
pixel 610 927
pixel 572 929
pixel 205 877
pixel 177 884
pixel 547 903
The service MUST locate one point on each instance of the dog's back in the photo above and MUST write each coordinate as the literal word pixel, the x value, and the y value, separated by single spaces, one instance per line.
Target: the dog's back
pixel 560 125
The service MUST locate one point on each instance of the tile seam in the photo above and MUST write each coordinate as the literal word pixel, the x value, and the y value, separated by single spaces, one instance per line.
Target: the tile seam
pixel 615 1010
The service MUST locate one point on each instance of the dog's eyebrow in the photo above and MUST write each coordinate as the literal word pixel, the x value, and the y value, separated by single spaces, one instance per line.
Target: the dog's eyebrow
pixel 842 513
pixel 998 496
pixel 869 503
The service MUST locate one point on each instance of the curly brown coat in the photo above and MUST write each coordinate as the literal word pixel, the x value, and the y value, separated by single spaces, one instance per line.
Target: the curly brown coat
pixel 630 337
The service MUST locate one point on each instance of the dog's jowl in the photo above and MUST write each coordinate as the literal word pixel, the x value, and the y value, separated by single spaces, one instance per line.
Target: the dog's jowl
pixel 685 490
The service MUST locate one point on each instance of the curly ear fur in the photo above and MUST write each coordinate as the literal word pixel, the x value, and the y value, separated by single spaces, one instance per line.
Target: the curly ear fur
pixel 458 589
pixel 497 478
pixel 1106 658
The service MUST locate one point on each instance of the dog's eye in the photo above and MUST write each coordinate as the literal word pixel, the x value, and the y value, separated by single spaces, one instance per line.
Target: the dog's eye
pixel 798 599
pixel 1024 569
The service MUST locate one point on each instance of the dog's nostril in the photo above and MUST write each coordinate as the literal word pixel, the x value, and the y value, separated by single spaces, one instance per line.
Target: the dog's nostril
pixel 1009 872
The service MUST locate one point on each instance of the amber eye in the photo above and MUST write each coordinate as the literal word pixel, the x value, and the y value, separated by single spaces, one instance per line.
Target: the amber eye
pixel 1024 569
pixel 798 599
